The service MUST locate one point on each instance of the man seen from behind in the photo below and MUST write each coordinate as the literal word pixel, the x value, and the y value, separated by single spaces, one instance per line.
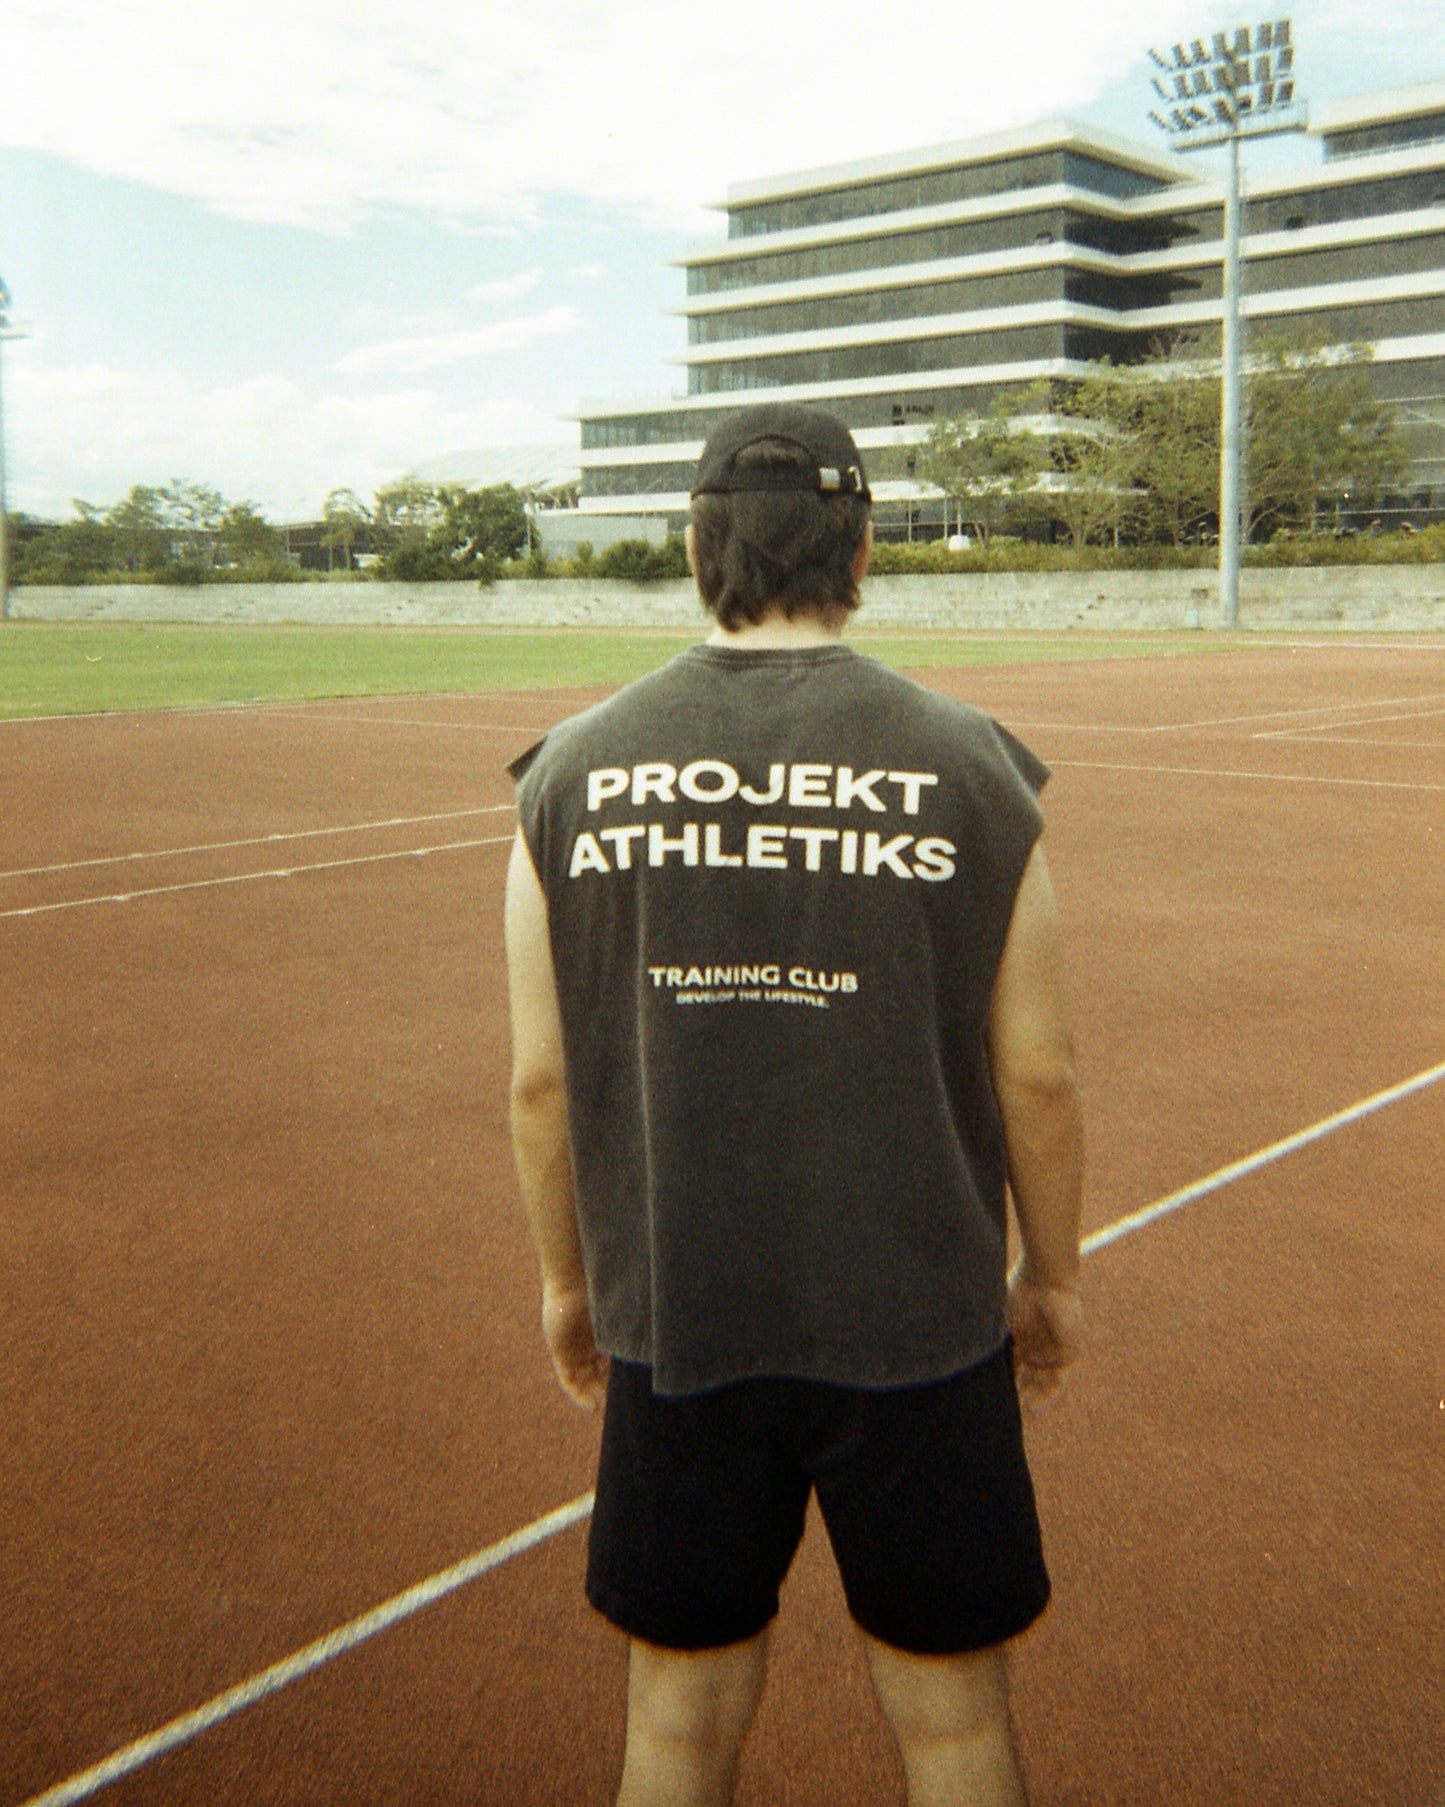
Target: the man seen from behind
pixel 789 1031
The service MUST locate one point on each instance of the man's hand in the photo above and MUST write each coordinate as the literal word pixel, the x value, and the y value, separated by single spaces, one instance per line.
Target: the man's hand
pixel 567 1326
pixel 1048 1331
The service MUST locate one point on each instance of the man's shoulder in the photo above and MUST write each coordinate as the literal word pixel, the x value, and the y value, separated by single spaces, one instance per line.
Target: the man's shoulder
pixel 582 736
pixel 929 708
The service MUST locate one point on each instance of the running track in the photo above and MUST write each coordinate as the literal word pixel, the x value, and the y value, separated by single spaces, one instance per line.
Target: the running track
pixel 267 1345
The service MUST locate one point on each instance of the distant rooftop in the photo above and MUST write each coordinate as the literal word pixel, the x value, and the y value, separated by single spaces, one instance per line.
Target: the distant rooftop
pixel 1389 103
pixel 1048 134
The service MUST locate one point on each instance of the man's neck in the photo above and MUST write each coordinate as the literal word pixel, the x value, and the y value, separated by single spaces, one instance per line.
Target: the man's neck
pixel 811 628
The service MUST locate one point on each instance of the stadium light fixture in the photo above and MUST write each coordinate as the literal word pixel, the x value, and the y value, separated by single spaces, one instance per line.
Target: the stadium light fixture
pixel 7 331
pixel 1240 85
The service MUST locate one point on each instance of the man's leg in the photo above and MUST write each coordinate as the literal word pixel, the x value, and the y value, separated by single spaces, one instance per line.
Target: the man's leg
pixel 950 1715
pixel 688 1712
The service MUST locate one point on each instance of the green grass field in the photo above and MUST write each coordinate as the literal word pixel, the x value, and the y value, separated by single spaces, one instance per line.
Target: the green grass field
pixel 50 669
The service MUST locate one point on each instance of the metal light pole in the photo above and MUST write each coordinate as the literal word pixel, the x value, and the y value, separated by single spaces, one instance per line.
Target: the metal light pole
pixel 5 333
pixel 1241 86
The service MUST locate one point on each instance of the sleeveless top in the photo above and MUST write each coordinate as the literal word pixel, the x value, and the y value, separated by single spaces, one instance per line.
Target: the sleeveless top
pixel 779 884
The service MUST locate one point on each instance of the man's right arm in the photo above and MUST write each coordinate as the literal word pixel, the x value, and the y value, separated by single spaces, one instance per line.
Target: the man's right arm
pixel 1031 1056
pixel 540 1138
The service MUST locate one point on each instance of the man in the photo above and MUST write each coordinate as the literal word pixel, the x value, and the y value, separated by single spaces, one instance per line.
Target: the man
pixel 789 1027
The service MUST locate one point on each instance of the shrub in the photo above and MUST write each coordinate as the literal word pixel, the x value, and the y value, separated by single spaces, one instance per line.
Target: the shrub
pixel 640 562
pixel 418 561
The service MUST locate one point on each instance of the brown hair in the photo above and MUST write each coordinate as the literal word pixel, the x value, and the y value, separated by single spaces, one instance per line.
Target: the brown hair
pixel 789 549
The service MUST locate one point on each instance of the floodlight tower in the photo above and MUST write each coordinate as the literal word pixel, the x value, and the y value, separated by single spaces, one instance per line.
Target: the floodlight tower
pixel 1240 86
pixel 7 331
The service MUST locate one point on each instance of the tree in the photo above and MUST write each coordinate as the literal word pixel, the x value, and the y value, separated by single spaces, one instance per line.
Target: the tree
pixel 405 512
pixel 1174 418
pixel 190 515
pixel 985 463
pixel 64 552
pixel 1089 437
pixel 246 537
pixel 1315 429
pixel 1156 455
pixel 426 533
pixel 347 518
pixel 136 529
pixel 482 527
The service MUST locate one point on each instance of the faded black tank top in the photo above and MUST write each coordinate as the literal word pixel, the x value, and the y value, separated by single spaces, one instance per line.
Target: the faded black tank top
pixel 779 885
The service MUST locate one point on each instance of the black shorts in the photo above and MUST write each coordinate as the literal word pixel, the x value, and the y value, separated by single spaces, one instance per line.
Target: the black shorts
pixel 925 1492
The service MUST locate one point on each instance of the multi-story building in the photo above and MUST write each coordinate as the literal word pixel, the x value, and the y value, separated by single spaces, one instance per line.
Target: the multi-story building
pixel 926 283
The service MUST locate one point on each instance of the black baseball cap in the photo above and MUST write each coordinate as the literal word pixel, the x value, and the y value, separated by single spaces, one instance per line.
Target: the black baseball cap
pixel 836 469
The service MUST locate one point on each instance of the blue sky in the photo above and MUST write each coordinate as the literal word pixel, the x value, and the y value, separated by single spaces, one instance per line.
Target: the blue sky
pixel 285 247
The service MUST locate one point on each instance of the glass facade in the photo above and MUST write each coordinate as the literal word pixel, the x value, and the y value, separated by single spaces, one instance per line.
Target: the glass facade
pixel 1271 275
pixel 872 307
pixel 640 479
pixel 647 429
pixel 938 187
pixel 1160 232
pixel 1370 320
pixel 896 194
pixel 1344 201
pixel 844 363
pixel 1350 263
pixel 1386 135
pixel 1412 380
pixel 966 238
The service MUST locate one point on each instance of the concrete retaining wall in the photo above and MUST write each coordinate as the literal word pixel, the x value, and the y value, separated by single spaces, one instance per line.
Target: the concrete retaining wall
pixel 1378 598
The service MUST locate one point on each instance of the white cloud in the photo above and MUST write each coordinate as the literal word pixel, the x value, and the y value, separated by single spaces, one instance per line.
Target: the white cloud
pixel 507 288
pixel 433 351
pixel 372 317
pixel 316 114
pixel 264 440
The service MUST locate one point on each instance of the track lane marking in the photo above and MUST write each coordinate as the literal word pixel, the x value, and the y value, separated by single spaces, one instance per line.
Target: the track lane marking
pixel 1306 737
pixel 259 840
pixel 1321 730
pixel 249 878
pixel 1264 1157
pixel 1269 715
pixel 1228 721
pixel 409 721
pixel 1196 771
pixel 188 1726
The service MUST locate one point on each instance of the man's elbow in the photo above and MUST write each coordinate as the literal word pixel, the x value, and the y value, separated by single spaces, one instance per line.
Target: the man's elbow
pixel 1041 1080
pixel 536 1091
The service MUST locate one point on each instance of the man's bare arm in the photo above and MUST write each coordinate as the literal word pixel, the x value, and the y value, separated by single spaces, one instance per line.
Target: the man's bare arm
pixel 539 1135
pixel 1031 1055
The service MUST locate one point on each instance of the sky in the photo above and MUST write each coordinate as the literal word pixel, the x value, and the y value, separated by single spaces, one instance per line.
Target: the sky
pixel 286 246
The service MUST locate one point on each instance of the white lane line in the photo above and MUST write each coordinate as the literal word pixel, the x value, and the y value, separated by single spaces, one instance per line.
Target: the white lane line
pixel 247 878
pixel 1345 644
pixel 260 840
pixel 1276 1151
pixel 408 721
pixel 1318 730
pixel 190 1725
pixel 132 1757
pixel 1324 739
pixel 1196 771
pixel 1270 715
pixel 124 715
pixel 1304 728
pixel 1084 727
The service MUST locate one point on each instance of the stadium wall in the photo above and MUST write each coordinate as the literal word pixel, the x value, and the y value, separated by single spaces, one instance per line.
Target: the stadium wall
pixel 1378 598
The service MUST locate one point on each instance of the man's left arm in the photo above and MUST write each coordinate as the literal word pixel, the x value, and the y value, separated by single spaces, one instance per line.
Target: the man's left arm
pixel 539 1135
